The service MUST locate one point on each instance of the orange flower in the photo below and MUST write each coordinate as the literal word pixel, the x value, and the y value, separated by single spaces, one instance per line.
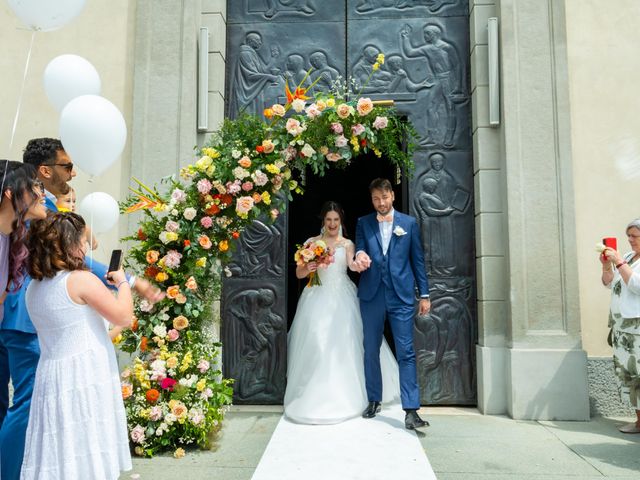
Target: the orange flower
pixel 235 235
pixel 257 198
pixel 127 390
pixel 223 246
pixel 268 112
pixel 181 299
pixel 226 199
pixel 180 322
pixel 141 235
pixel 205 242
pixel 134 324
pixel 173 291
pixel 212 210
pixel 143 344
pixel 259 149
pixel 298 93
pixel 152 256
pixel 152 395
pixel 187 243
pixel 191 284
pixel 245 162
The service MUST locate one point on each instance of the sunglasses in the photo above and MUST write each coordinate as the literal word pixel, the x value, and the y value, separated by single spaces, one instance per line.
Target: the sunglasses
pixel 67 166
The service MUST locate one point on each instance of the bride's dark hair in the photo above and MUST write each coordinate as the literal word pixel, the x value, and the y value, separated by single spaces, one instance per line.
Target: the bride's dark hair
pixel 332 206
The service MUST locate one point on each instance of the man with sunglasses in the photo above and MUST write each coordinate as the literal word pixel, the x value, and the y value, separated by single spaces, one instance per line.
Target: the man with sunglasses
pixel 17 333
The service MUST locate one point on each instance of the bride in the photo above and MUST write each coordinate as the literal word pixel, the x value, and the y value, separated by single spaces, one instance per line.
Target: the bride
pixel 325 372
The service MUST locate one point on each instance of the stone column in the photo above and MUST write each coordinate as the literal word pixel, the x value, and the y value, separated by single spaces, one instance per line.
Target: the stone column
pixel 163 129
pixel 536 363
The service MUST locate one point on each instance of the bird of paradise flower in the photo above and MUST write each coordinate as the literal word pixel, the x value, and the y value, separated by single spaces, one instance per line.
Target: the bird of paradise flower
pixel 148 198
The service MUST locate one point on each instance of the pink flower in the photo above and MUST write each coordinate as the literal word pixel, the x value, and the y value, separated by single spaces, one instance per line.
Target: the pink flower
pixel 333 157
pixel 289 153
pixel 380 122
pixel 233 188
pixel 172 259
pixel 244 205
pixel 173 335
pixel 155 413
pixel 178 195
pixel 167 384
pixel 336 127
pixel 206 222
pixel 171 226
pixel 203 366
pixel 341 141
pixel 294 127
pixel 274 213
pixel 259 178
pixel 137 434
pixel 312 111
pixel 247 186
pixel 357 129
pixel 204 186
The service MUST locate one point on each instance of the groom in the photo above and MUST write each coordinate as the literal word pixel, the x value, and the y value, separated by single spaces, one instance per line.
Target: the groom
pixel 390 258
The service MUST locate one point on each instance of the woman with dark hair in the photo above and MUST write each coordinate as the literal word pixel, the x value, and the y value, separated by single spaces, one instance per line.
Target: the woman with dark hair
pixel 21 200
pixel 325 367
pixel 77 423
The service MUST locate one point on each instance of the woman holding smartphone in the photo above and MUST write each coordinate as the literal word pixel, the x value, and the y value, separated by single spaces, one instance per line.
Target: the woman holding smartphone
pixel 621 273
pixel 77 423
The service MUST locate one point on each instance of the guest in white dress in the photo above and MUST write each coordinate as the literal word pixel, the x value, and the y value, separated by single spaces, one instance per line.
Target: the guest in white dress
pixel 325 372
pixel 77 424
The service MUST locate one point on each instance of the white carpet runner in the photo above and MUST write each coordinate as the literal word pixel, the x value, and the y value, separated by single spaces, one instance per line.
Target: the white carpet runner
pixel 379 448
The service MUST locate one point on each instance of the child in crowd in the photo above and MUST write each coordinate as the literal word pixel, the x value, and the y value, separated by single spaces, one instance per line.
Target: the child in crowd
pixel 67 203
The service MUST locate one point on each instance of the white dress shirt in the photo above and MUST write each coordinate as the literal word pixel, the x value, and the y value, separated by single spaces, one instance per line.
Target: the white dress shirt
pixel 386 230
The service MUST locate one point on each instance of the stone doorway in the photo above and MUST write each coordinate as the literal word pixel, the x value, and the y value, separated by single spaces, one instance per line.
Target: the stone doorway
pixel 426 44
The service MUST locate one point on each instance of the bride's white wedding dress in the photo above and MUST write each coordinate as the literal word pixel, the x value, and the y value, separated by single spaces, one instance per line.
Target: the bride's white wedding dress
pixel 325 371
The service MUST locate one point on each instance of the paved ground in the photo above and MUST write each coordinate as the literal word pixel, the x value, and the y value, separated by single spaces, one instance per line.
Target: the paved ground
pixel 460 444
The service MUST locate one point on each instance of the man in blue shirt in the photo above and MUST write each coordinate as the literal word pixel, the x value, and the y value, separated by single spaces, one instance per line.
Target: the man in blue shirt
pixel 18 339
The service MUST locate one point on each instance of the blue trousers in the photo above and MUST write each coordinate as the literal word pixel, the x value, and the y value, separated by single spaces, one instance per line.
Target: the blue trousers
pixel 23 352
pixel 4 382
pixel 386 305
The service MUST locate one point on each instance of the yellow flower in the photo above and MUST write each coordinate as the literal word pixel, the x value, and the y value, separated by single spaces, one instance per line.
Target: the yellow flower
pixel 172 362
pixel 179 453
pixel 201 384
pixel 186 361
pixel 171 236
pixel 211 170
pixel 161 277
pixel 117 340
pixel 293 185
pixel 272 169
pixel 212 152
pixel 331 102
pixel 266 198
pixel 204 163
pixel 380 58
pixel 376 66
pixel 201 262
pixel 377 152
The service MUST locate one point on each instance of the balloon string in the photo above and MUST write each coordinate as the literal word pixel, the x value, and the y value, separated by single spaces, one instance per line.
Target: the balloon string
pixel 90 241
pixel 24 81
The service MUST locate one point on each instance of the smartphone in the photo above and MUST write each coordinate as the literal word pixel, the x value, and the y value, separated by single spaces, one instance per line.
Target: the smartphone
pixel 115 263
pixel 610 242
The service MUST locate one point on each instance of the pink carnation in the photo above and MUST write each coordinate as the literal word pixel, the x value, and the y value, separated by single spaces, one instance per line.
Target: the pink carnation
pixel 167 384
pixel 247 186
pixel 171 226
pixel 233 187
pixel 341 141
pixel 203 366
pixel 204 186
pixel 206 222
pixel 172 259
pixel 336 127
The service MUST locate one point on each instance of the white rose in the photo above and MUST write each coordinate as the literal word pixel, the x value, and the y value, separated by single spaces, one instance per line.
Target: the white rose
pixel 190 213
pixel 298 105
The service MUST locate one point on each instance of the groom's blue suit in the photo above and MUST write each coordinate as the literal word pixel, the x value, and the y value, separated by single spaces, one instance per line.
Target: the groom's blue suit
pixel 388 290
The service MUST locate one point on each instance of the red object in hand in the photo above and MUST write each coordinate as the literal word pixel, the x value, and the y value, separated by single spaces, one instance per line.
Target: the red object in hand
pixel 610 242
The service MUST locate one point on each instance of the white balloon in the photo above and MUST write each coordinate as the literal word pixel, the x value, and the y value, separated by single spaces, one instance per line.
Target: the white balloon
pixel 93 133
pixel 69 76
pixel 46 15
pixel 100 211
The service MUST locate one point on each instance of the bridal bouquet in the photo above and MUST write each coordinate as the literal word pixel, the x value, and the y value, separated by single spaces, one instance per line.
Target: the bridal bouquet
pixel 313 251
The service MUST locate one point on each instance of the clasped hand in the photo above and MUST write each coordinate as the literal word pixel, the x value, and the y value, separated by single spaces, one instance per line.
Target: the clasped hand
pixel 362 262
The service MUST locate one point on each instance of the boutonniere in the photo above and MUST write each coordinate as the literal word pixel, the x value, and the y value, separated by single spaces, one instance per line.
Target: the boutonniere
pixel 399 231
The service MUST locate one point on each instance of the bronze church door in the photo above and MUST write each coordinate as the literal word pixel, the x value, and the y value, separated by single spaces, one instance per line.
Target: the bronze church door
pixel 270 42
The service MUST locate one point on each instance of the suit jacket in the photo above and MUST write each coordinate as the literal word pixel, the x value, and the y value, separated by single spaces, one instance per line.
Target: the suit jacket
pixel 16 316
pixel 405 258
